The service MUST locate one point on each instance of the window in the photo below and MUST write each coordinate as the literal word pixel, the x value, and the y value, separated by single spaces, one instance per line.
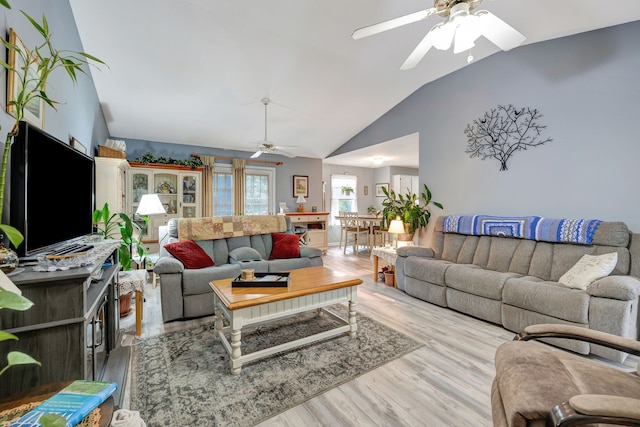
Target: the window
pixel 344 196
pixel 222 192
pixel 259 198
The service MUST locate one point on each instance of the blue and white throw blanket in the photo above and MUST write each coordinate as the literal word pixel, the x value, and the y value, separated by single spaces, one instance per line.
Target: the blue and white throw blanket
pixel 524 227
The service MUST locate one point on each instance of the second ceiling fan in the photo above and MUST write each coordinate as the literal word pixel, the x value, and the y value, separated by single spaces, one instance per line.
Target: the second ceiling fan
pixel 461 29
pixel 267 146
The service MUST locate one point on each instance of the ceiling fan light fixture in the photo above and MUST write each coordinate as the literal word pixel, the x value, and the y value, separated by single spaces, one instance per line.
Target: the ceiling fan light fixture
pixel 442 35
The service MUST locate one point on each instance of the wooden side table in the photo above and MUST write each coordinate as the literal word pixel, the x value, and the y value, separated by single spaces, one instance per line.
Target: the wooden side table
pixel 387 254
pixel 134 280
pixel 41 393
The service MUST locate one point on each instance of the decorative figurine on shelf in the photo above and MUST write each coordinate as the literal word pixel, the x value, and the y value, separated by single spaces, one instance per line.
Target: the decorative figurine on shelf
pixel 301 201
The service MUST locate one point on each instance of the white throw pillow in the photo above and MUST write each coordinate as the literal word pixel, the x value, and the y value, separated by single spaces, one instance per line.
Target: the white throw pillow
pixel 589 269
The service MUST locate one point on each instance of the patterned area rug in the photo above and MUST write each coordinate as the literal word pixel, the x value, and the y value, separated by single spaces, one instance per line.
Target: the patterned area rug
pixel 183 378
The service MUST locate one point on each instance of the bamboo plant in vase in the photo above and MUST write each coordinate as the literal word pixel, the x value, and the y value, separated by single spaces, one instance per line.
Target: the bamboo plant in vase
pixel 30 74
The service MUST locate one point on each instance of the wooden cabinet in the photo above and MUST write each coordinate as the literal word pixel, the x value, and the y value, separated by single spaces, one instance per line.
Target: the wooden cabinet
pixel 404 184
pixel 71 328
pixel 312 227
pixel 178 187
pixel 111 183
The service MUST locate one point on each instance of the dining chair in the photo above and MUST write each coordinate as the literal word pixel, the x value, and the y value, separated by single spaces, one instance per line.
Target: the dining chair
pixel 343 223
pixel 357 230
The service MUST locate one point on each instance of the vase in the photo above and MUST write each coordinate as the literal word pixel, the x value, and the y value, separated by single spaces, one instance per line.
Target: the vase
pixel 8 258
pixel 389 277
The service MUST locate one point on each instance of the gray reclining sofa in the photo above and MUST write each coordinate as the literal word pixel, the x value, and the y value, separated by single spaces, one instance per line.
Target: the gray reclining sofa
pixel 513 282
pixel 186 293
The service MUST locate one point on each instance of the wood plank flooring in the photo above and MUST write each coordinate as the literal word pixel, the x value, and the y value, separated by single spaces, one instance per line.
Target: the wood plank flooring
pixel 444 383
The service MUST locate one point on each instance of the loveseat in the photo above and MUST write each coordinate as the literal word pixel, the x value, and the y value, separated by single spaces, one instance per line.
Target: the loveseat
pixel 232 243
pixel 516 282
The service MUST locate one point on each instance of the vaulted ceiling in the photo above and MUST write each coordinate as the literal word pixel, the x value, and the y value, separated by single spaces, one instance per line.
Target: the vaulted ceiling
pixel 195 71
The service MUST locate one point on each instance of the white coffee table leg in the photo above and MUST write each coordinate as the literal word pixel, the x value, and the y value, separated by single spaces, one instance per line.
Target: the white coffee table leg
pixel 218 324
pixel 352 318
pixel 236 363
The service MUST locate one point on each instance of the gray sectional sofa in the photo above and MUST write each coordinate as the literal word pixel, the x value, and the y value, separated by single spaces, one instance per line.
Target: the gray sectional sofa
pixel 185 293
pixel 513 282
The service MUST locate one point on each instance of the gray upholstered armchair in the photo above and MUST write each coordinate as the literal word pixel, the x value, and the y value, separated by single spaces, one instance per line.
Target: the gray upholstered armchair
pixel 538 385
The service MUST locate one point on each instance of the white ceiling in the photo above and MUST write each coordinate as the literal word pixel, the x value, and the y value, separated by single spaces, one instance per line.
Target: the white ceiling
pixel 195 71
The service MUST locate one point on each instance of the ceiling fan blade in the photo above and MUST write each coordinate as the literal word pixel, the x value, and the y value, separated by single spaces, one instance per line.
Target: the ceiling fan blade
pixel 284 153
pixel 392 23
pixel 419 52
pixel 257 154
pixel 499 32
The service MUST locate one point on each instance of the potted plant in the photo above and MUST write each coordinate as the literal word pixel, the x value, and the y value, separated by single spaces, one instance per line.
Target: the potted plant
pixel 414 211
pixel 346 190
pixel 109 225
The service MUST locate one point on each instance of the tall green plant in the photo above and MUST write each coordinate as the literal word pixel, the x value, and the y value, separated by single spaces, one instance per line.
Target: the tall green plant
pixel 412 209
pixel 108 225
pixel 31 86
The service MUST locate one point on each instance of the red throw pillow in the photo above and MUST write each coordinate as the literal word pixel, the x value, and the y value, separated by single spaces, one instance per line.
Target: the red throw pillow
pixel 190 254
pixel 285 246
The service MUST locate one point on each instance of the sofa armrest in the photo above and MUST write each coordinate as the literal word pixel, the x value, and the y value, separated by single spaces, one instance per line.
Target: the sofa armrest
pixel 625 288
pixel 596 408
pixel 419 251
pixel 310 251
pixel 168 265
pixel 548 330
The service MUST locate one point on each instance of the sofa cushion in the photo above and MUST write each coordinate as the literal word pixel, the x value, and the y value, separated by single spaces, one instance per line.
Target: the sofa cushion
pixel 244 254
pixel 589 269
pixel 426 269
pixel 500 253
pixel 190 254
pixel 195 282
pixel 566 256
pixel 285 246
pixel 475 280
pixel 549 298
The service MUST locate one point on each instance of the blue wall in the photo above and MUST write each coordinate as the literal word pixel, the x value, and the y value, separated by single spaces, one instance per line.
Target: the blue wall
pixel 78 113
pixel 585 86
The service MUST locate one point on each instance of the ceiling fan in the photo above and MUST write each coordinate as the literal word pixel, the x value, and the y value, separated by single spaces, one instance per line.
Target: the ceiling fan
pixel 267 146
pixel 461 29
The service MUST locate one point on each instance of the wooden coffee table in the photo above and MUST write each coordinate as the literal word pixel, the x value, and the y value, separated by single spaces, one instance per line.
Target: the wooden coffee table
pixel 309 289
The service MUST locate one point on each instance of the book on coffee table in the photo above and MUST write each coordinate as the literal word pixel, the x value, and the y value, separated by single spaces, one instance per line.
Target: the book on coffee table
pixel 74 402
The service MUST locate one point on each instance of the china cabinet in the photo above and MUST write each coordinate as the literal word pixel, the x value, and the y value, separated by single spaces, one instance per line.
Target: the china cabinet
pixel 179 190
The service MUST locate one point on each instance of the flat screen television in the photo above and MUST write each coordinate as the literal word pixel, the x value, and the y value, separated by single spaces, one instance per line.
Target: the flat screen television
pixel 52 191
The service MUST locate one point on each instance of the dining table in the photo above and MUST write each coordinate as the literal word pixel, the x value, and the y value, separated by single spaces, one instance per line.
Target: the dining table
pixel 367 221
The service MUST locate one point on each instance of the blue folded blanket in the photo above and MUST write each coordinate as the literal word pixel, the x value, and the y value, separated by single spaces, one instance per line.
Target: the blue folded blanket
pixel 524 227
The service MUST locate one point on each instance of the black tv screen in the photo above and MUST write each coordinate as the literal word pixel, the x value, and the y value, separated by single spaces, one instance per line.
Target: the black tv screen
pixel 52 191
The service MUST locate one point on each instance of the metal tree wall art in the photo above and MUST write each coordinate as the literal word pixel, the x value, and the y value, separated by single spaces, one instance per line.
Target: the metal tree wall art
pixel 504 130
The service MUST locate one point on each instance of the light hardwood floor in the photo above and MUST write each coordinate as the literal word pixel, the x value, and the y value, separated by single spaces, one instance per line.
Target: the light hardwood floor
pixel 446 382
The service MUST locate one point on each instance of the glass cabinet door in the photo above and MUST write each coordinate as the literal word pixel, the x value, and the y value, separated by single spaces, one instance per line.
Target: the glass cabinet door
pixel 166 187
pixel 190 195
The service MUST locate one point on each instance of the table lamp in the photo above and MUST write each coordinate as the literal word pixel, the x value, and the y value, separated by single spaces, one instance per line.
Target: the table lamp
pixel 301 201
pixel 396 227
pixel 150 204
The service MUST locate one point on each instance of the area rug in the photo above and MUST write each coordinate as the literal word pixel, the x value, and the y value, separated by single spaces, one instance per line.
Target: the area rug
pixel 183 378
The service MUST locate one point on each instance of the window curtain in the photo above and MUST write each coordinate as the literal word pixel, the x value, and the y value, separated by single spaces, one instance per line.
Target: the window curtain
pixel 239 166
pixel 207 185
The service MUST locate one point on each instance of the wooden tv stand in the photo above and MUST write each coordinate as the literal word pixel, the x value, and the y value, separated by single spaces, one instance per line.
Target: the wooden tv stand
pixel 72 328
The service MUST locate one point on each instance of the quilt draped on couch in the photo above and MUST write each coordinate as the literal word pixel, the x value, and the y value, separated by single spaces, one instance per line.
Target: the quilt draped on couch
pixel 524 227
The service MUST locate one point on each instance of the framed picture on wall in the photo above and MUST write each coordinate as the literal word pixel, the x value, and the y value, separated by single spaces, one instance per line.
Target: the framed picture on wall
pixel 78 146
pixel 379 187
pixel 34 110
pixel 300 185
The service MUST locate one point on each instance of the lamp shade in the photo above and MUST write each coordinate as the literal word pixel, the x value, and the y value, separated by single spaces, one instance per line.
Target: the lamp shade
pixel 396 226
pixel 150 204
pixel 301 200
